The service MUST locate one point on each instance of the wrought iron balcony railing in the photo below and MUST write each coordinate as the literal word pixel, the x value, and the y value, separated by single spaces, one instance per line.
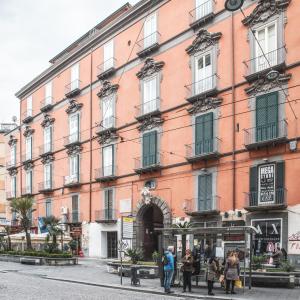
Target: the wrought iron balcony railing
pixel 106 216
pixel 27 190
pixel 27 157
pixel 46 104
pixel 107 68
pixel 27 116
pixel 201 12
pixel 72 180
pixel 148 44
pixel 46 186
pixel 269 134
pixel 73 88
pixel 106 173
pixel 147 108
pixel 74 217
pixel 11 164
pixel 205 149
pixel 46 149
pixel 149 163
pixel 11 194
pixel 109 123
pixel 72 139
pixel 202 205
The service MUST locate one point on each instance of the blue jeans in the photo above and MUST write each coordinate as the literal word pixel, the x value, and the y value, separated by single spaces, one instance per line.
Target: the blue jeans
pixel 168 279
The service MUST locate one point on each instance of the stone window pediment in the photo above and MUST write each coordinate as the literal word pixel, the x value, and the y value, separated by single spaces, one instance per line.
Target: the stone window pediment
pixel 150 68
pixel 107 89
pixel 73 107
pixel 48 121
pixel 28 131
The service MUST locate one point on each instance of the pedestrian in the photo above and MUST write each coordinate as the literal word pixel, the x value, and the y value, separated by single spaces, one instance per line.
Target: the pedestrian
pixel 277 257
pixel 212 269
pixel 175 267
pixel 187 269
pixel 207 252
pixel 232 271
pixel 168 262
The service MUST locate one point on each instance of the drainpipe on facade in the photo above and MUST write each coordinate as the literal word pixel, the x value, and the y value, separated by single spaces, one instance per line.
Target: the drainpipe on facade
pixel 91 140
pixel 20 158
pixel 233 114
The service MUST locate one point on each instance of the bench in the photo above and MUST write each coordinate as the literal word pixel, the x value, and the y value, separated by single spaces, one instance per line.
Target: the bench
pixel 31 260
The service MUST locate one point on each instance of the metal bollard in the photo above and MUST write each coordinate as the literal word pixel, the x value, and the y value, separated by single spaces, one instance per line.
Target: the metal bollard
pixel 134 276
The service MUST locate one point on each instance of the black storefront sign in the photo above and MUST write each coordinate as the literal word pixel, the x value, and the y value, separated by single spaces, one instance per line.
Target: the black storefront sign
pixel 268 236
pixel 266 183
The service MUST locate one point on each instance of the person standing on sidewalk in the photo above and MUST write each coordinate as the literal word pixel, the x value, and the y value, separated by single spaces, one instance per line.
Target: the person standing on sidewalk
pixel 212 269
pixel 232 271
pixel 187 269
pixel 168 261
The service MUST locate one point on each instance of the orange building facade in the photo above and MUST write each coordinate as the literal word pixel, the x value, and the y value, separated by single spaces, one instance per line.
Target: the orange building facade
pixel 167 111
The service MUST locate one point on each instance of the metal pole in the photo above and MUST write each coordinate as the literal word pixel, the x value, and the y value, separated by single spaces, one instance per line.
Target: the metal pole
pixel 250 267
pixel 245 249
pixel 121 248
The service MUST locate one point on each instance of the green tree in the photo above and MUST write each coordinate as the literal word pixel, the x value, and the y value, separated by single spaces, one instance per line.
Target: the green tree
pixel 53 225
pixel 7 229
pixel 23 208
pixel 184 226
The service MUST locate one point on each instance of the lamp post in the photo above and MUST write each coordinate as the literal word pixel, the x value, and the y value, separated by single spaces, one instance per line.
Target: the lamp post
pixel 233 5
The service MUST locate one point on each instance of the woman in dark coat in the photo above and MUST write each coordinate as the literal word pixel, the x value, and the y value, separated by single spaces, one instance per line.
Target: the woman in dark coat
pixel 187 269
pixel 232 272
pixel 212 269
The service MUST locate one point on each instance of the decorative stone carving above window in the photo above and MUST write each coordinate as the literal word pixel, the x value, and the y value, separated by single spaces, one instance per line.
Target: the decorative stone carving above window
pixel 107 137
pixel 150 123
pixel 107 89
pixel 12 140
pixel 264 10
pixel 13 171
pixel 263 85
pixel 28 165
pixel 74 150
pixel 48 121
pixel 150 67
pixel 28 131
pixel 204 105
pixel 73 106
pixel 47 159
pixel 203 40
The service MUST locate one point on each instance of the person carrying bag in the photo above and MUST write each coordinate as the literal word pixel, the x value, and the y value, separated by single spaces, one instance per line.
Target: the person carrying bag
pixel 212 270
pixel 187 269
pixel 232 272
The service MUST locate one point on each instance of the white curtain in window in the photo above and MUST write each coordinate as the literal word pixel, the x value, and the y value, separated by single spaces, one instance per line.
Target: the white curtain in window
pixel 108 55
pixel 150 28
pixel 47 176
pixel 13 186
pixel 29 106
pixel 29 182
pixel 108 112
pixel 74 128
pixel 13 155
pixel 150 95
pixel 48 93
pixel 74 77
pixel 203 8
pixel 107 153
pixel 28 144
pixel 74 168
pixel 47 139
pixel 203 74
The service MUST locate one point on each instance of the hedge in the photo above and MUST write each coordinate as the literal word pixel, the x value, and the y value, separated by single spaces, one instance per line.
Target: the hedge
pixel 37 253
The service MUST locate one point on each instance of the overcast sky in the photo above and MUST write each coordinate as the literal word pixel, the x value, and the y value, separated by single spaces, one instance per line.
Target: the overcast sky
pixel 34 31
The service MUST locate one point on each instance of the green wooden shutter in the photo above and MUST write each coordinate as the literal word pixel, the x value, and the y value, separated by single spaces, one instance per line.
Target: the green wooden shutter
pixel 272 115
pixel 149 148
pixel 280 185
pixel 253 186
pixel 208 132
pixel 205 192
pixel 204 134
pixel 146 149
pixel 261 118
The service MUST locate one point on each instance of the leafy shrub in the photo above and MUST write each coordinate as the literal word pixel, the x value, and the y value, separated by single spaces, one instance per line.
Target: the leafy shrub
pixel 156 257
pixel 135 255
pixel 38 254
pixel 287 267
pixel 257 261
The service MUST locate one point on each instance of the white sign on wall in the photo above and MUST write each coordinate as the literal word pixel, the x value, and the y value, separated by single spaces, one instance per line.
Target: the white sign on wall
pixel 266 184
pixel 125 206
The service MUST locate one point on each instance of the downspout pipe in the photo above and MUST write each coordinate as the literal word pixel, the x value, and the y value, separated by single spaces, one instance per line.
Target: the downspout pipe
pixel 91 137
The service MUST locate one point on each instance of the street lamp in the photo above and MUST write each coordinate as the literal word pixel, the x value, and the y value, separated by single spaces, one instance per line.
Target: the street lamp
pixel 233 5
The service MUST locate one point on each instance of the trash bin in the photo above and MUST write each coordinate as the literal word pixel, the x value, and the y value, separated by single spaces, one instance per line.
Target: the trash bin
pixel 134 276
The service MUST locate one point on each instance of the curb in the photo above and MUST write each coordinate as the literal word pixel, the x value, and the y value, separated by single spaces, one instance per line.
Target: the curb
pixel 138 290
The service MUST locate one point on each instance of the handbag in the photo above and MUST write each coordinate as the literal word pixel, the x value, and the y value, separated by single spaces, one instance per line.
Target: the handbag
pixel 238 284
pixel 221 278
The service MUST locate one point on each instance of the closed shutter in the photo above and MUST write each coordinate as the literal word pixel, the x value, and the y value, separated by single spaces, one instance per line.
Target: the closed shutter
pixel 205 201
pixel 204 142
pixel 149 148
pixel 253 186
pixel 108 194
pixel 280 182
pixel 75 209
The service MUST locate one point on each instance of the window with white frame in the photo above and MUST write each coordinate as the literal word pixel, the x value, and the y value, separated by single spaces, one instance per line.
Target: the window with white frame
pixel 108 204
pixel 28 148
pixel 108 160
pixel 74 168
pixel 150 95
pixel 75 208
pixel 29 106
pixel 48 93
pixel 203 8
pixel 266 47
pixel 150 31
pixel 48 207
pixel 13 186
pixel 47 139
pixel 48 176
pixel 108 55
pixel 108 118
pixel 74 128
pixel 205 194
pixel 75 77
pixel 204 79
pixel 13 155
pixel 28 182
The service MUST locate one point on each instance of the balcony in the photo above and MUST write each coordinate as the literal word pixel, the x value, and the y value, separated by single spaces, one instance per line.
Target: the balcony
pixel 26 158
pixel 147 164
pixel 74 217
pixel 203 150
pixel 27 116
pixel 108 124
pixel 259 66
pixel 71 181
pixel 46 104
pixel 148 44
pixel 266 135
pixel 105 174
pixel 11 195
pixel 202 207
pixel 11 165
pixel 255 201
pixel 107 69
pixel 73 89
pixel 72 139
pixel 27 191
pixel 106 216
pixel 46 186
pixel 46 149
pixel 150 108
pixel 201 14
pixel 206 87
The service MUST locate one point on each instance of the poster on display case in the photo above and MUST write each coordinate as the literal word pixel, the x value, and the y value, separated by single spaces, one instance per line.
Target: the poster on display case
pixel 266 184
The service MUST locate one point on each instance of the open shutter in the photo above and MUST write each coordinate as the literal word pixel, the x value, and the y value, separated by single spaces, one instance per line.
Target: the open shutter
pixel 146 149
pixel 209 199
pixel 272 115
pixel 208 132
pixel 261 118
pixel 108 204
pixel 280 185
pixel 253 186
pixel 153 147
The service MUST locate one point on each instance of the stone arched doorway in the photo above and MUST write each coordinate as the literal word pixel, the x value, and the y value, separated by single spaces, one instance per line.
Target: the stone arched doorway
pixel 154 214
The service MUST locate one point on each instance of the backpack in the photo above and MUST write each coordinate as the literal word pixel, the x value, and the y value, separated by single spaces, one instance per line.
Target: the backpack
pixel 165 260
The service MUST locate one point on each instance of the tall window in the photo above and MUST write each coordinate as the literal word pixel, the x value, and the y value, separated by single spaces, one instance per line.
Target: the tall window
pixel 29 182
pixel 28 145
pixel 48 176
pixel 48 93
pixel 205 199
pixel 75 77
pixel 75 208
pixel 108 111
pixel 108 160
pixel 13 155
pixel 48 207
pixel 267 117
pixel 150 148
pixel 29 107
pixel 108 55
pixel 267 37
pixel 203 8
pixel 74 168
pixel 47 139
pixel 203 73
pixel 204 134
pixel 74 128
pixel 108 204
pixel 150 28
pixel 150 97
pixel 13 186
